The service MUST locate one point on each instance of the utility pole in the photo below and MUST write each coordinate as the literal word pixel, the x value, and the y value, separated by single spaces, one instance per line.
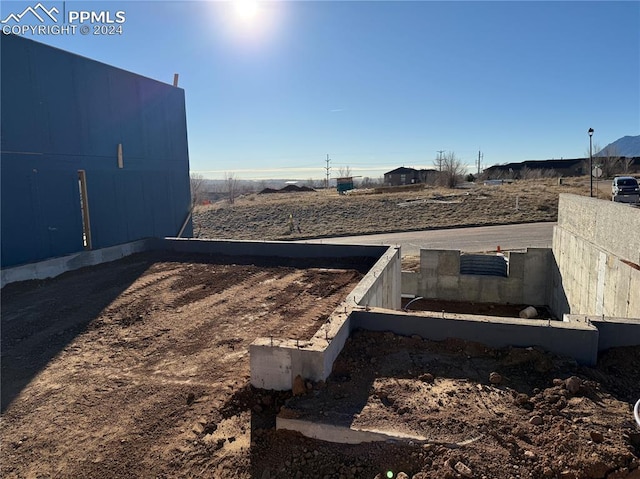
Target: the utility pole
pixel 328 168
pixel 440 152
pixel 480 157
pixel 590 163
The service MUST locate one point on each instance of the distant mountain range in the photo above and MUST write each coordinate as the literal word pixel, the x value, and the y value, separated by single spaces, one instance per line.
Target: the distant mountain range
pixel 628 146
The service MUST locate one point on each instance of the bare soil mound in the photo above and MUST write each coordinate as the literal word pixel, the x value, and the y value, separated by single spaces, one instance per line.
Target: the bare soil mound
pixel 286 189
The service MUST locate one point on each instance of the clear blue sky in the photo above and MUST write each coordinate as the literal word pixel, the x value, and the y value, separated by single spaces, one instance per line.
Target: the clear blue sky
pixel 382 84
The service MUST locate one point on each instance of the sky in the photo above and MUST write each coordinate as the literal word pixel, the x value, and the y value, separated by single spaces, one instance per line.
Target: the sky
pixel 272 88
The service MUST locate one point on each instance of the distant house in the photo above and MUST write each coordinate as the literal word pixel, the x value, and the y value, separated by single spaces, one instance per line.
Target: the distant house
pixel 409 176
pixel 629 165
pixel 570 167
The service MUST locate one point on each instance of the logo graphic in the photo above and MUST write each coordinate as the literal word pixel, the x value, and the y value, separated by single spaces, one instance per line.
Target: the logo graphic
pixel 40 20
pixel 34 11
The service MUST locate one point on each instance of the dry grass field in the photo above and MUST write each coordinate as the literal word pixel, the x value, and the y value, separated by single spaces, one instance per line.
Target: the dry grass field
pixel 327 214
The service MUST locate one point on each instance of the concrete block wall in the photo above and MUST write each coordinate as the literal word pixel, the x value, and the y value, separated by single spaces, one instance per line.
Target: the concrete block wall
pixel 596 258
pixel 439 277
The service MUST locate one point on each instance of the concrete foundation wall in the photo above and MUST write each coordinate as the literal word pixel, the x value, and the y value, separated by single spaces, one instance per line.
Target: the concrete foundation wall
pixel 613 332
pixel 53 267
pixel 439 278
pixel 575 339
pixel 275 363
pixel 56 266
pixel 596 252
pixel 282 249
pixel 381 287
pixel 272 365
pixel 610 225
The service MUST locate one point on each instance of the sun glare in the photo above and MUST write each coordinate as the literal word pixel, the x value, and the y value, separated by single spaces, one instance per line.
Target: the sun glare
pixel 251 22
pixel 246 10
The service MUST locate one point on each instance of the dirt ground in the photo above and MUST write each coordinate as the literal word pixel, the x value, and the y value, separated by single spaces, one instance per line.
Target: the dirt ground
pixel 478 412
pixel 140 368
pixel 120 370
pixel 326 214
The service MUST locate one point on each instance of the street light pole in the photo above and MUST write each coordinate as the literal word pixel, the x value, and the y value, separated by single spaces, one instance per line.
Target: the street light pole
pixel 590 163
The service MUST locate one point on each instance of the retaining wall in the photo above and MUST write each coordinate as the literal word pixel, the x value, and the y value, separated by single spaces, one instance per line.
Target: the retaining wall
pixel 596 258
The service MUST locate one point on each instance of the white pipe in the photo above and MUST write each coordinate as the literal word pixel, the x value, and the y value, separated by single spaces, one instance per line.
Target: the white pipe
pixel 529 312
pixel 406 306
pixel 636 412
pixel 184 225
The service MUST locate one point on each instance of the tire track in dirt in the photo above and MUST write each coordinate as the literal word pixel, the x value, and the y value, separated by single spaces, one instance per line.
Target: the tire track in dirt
pixel 208 331
pixel 135 303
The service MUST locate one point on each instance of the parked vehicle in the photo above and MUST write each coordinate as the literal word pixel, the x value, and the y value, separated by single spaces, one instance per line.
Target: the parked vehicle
pixel 625 189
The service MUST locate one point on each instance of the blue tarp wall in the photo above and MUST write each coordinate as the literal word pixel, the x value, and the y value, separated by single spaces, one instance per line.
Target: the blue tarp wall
pixel 61 113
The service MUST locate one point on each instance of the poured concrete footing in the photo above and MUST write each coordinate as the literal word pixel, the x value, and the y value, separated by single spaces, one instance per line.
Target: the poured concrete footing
pixel 342 434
